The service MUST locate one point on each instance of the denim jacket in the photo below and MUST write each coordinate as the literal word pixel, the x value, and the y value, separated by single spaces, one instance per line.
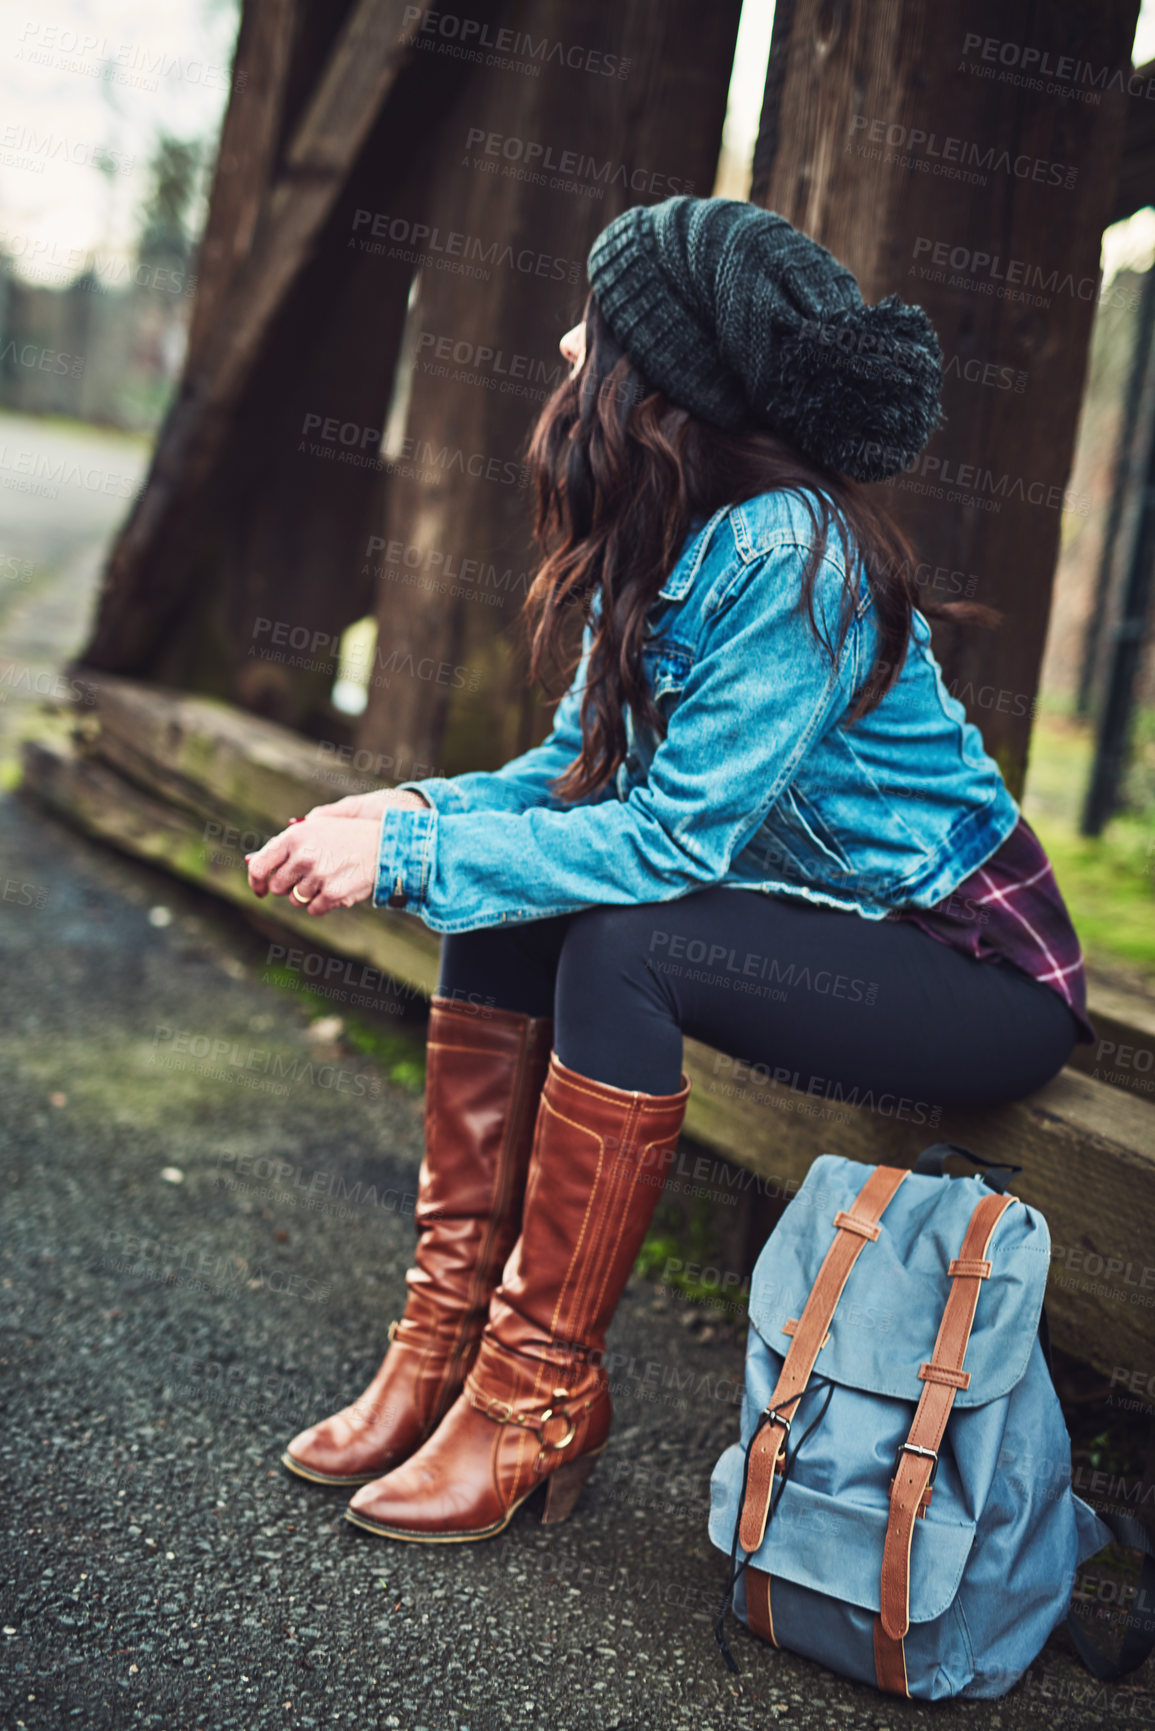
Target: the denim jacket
pixel 759 783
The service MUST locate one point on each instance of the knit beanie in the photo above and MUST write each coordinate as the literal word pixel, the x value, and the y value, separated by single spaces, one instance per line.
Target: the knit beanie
pixel 746 322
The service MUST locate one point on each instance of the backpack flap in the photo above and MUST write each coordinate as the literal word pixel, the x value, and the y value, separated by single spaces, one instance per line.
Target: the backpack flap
pixel 888 1316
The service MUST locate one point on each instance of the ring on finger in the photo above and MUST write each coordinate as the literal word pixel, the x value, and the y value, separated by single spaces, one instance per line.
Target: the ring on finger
pixel 302 901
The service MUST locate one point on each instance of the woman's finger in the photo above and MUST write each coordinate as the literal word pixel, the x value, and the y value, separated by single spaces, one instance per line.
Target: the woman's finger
pixel 265 861
pixel 295 872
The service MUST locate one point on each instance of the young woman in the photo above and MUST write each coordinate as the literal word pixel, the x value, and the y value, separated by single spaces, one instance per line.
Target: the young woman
pixel 760 820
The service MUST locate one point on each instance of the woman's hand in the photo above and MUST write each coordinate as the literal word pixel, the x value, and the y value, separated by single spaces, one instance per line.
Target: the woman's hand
pixel 331 862
pixel 371 804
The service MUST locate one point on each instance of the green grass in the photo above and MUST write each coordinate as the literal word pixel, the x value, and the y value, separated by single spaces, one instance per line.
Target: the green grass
pixel 400 1054
pixel 688 1242
pixel 1108 883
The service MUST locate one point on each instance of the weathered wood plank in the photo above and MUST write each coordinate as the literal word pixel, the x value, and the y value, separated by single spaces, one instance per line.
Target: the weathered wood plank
pixel 149 771
pixel 1124 1054
pixel 1088 1157
pixel 245 158
pixel 891 135
pixel 138 583
pixel 1136 186
pixel 205 755
pixel 95 797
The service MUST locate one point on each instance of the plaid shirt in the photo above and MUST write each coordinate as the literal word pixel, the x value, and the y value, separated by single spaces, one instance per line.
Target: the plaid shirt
pixel 1011 910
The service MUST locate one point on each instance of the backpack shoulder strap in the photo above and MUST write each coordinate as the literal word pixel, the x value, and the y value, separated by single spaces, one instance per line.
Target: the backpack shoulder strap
pixel 917 1460
pixel 852 1231
pixel 1139 1633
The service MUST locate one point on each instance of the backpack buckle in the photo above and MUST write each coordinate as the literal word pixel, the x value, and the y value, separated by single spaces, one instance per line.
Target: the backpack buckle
pixel 910 1448
pixel 774 1415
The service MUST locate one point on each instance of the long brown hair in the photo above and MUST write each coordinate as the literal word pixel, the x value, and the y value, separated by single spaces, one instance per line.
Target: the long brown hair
pixel 620 474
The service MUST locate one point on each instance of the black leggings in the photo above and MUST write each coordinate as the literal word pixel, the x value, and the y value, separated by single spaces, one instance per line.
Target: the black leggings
pixel 838 1006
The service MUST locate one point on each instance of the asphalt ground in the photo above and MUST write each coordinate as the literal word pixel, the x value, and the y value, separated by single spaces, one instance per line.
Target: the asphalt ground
pixel 207 1205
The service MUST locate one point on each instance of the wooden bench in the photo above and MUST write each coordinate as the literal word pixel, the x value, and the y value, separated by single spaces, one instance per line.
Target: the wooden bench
pixel 191 784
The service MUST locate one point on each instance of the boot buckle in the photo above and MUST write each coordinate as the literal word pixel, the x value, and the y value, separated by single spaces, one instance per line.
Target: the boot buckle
pixel 501 1412
pixel 565 1441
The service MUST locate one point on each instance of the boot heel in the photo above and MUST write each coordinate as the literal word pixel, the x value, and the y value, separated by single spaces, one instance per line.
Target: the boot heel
pixel 565 1487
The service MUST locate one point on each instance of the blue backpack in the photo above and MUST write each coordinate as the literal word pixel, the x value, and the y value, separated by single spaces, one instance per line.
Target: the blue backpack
pixel 901 1494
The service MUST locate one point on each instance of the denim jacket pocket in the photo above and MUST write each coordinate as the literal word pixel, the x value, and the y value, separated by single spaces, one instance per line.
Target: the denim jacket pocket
pixel 667 668
pixel 796 835
pixel 666 665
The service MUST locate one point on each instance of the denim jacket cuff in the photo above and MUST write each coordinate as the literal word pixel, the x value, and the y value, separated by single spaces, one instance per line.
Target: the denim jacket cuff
pixel 439 791
pixel 404 853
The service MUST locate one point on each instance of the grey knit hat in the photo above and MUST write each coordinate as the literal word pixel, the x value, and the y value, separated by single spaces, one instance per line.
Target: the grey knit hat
pixel 740 318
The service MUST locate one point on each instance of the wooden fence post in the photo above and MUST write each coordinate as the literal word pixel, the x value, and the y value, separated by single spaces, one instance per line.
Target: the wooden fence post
pixel 964 155
pixel 624 105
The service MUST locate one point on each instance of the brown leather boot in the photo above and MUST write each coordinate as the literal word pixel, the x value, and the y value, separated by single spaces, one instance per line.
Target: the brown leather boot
pixel 536 1404
pixel 484 1074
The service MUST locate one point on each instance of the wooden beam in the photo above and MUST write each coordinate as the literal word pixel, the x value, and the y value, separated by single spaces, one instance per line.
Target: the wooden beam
pixel 1123 509
pixel 458 499
pixel 1128 599
pixel 246 157
pixel 1136 186
pixel 191 785
pixel 1124 1053
pixel 138 592
pixel 902 137
pixel 209 852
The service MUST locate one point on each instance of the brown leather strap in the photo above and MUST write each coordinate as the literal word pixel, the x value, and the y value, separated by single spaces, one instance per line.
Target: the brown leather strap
pixel 759 1616
pixel 889 1662
pixel 853 1231
pixel 941 1378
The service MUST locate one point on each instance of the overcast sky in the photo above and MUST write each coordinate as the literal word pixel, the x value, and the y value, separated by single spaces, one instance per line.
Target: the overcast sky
pixel 169 61
pixel 59 109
